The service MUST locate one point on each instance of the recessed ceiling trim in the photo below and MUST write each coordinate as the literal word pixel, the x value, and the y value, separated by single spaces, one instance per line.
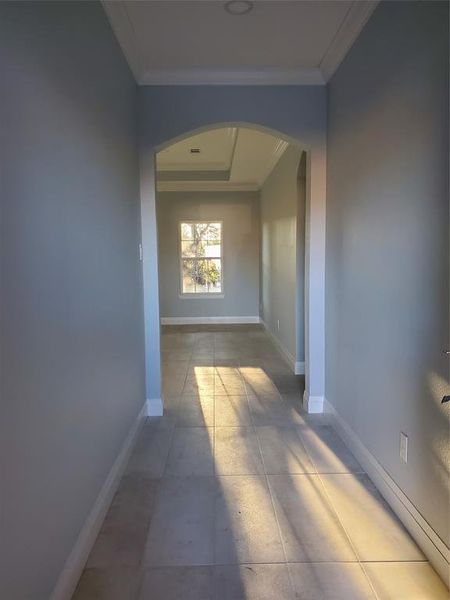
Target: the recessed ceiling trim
pixel 197 166
pixel 277 153
pixel 193 175
pixel 233 133
pixel 265 76
pixel 233 151
pixel 206 186
pixel 352 25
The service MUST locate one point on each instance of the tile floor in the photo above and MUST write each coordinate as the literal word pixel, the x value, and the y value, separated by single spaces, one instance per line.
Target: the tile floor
pixel 237 494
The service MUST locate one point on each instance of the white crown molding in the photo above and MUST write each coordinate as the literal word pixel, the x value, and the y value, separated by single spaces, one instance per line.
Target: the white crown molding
pixel 205 186
pixel 352 25
pixel 120 22
pixel 354 21
pixel 262 76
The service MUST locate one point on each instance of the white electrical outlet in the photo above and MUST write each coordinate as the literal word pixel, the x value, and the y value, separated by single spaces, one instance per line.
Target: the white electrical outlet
pixel 404 447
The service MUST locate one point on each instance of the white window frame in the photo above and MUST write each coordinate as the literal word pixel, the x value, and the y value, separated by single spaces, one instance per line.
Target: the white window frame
pixel 202 295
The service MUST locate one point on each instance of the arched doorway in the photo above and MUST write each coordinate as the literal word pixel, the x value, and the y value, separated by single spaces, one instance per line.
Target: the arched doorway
pixel 313 267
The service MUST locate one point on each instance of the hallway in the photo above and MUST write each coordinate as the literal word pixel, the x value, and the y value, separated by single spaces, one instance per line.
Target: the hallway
pixel 237 494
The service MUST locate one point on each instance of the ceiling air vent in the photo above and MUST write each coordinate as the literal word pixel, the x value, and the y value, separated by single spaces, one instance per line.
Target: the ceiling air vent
pixel 238 7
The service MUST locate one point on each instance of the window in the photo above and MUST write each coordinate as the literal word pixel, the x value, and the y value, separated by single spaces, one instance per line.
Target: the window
pixel 201 258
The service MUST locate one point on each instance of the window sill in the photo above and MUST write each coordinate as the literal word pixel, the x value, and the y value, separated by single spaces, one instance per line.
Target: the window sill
pixel 201 296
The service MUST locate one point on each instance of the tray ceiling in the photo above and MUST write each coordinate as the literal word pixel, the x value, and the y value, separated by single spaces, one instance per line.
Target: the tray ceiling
pixel 225 159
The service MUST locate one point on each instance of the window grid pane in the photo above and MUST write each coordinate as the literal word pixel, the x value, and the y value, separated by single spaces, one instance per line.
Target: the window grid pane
pixel 201 251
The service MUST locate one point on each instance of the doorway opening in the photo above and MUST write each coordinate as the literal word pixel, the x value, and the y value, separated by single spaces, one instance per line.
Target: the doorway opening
pixel 231 213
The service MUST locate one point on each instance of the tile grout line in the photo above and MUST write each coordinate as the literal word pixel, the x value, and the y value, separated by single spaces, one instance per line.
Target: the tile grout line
pixel 326 495
pixel 142 567
pixel 334 510
pixel 273 562
pixel 321 478
pixel 174 425
pixel 291 582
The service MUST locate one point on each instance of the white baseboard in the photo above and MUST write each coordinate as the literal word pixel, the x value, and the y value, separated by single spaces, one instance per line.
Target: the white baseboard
pixel 313 404
pixel 74 565
pixel 208 320
pixel 295 366
pixel 299 368
pixel 427 539
pixel 154 407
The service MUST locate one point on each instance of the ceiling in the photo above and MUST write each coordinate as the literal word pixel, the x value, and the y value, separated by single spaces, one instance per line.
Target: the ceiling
pixel 225 159
pixel 198 42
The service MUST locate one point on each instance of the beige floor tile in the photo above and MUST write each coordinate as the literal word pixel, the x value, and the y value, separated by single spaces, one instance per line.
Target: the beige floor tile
pixel 373 528
pixel 178 583
pixel 269 410
pixel 172 388
pixel 330 581
pixel 227 371
pixel 236 451
pixel 231 411
pixel 171 369
pixel 309 527
pixel 121 540
pixel 150 453
pixel 232 386
pixel 406 581
pixel 226 354
pixel 253 582
pixel 283 451
pixel 181 531
pixel 179 354
pixel 108 584
pixel 245 526
pixel 191 452
pixel 327 450
pixel 200 370
pixel 195 515
pixel 198 384
pixel 195 411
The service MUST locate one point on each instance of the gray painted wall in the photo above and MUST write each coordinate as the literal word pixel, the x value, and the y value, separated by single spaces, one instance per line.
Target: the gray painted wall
pixel 72 379
pixel 280 211
pixel 167 112
pixel 387 304
pixel 239 213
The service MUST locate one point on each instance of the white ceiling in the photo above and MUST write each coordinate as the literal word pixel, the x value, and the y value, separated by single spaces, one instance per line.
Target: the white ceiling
pixel 245 156
pixel 197 41
pixel 216 150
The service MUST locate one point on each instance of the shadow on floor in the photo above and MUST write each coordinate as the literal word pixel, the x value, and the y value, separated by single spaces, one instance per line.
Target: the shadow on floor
pixel 236 493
